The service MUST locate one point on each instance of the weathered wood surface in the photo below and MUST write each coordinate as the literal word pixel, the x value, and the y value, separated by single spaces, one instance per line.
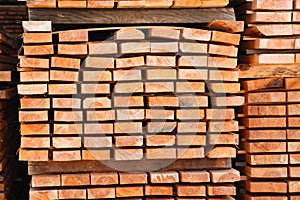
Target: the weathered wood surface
pixel 145 165
pixel 131 16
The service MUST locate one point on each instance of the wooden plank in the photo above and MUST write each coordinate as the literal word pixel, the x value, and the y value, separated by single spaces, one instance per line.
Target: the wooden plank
pixel 158 87
pixel 96 193
pixel 223 139
pixel 34 62
pixel 266 83
pixel 34 143
pixel 130 114
pixel 34 76
pixel 43 194
pixel 130 62
pixel 270 30
pixel 194 176
pixel 161 61
pixel 266 147
pixel 96 166
pixel 266 97
pixel 99 102
pixel 73 36
pixel 224 87
pixel 38 50
pixel 66 103
pixel 222 152
pixel 146 16
pixel 135 47
pixel 45 180
pixel 72 193
pixel 64 156
pixel 62 89
pixel 273 122
pixel 33 116
pixel 98 62
pixel 129 34
pixel 109 178
pixel 152 190
pixel 266 134
pixel 35 129
pixel 267 159
pixel 33 155
pixel 226 126
pixel 128 141
pixel 269 71
pixel 218 190
pixel 222 37
pixel 228 101
pixel 168 47
pixel 272 5
pixel 162 127
pixel 129 191
pixel 192 61
pixel 230 26
pixel 63 62
pixel 215 114
pixel 66 142
pixel 267 172
pixel 191 190
pixel 37 26
pixel 183 87
pixel 224 176
pixel 161 153
pixel 43 3
pixel 266 187
pixel 67 76
pixel 29 38
pixel 222 50
pixel 98 48
pixel 67 129
pixel 192 74
pixel 133 178
pixel 270 110
pixel 35 103
pixel 73 49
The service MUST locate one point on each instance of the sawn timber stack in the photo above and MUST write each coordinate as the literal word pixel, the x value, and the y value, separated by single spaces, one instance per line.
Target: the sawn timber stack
pixel 131 94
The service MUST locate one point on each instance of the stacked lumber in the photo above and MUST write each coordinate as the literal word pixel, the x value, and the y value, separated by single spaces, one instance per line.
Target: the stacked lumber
pixel 11 17
pixel 129 94
pixel 126 3
pixel 9 137
pixel 74 104
pixel 271 138
pixel 170 185
pixel 270 43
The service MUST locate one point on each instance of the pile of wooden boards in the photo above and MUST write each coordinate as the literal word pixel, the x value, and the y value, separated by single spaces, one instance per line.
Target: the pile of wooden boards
pixel 126 3
pixel 214 184
pixel 11 17
pixel 9 129
pixel 271 117
pixel 270 44
pixel 131 94
pixel 269 50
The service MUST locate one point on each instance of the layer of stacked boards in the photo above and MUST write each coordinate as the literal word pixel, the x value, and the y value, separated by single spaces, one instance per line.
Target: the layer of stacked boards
pixel 269 63
pixel 126 3
pixel 271 138
pixel 155 95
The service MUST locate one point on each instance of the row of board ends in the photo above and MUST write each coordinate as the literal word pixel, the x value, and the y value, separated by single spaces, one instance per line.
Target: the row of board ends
pixel 218 25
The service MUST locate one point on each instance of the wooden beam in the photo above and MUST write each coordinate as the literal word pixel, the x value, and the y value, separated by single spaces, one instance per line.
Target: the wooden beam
pixel 131 16
pixel 51 167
